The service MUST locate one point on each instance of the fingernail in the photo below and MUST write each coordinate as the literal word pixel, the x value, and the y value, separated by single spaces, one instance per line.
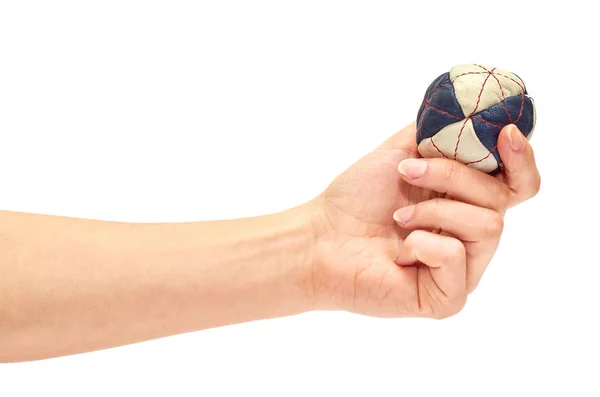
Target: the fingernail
pixel 403 215
pixel 516 138
pixel 412 168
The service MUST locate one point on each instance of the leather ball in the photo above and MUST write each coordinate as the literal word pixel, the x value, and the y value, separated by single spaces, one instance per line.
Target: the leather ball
pixel 464 110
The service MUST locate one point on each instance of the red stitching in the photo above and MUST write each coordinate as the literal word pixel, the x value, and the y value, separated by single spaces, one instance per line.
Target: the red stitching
pixel 501 92
pixel 522 107
pixel 501 88
pixel 459 136
pixel 426 102
pixel 480 160
pixel 510 78
pixel 503 98
pixel 472 113
pixel 441 111
pixel 438 149
pixel 481 92
pixel 522 96
pixel 464 74
pixel 505 109
pixel 487 122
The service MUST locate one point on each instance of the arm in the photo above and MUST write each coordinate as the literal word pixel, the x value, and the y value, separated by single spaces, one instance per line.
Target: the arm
pixel 364 245
pixel 74 285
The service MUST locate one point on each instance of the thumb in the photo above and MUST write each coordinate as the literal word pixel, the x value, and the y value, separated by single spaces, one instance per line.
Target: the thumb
pixel 520 170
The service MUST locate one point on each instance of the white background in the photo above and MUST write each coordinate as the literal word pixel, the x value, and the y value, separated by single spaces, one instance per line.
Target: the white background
pixel 185 110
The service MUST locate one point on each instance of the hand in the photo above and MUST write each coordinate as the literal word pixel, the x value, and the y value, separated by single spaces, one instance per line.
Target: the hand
pixel 403 237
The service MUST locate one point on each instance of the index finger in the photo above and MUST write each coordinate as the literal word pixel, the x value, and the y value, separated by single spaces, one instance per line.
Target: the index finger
pixel 460 181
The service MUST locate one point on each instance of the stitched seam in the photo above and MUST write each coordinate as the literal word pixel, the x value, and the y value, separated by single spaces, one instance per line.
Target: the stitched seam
pixel 501 92
pixel 501 88
pixel 426 103
pixel 486 122
pixel 464 74
pixel 482 159
pixel 472 113
pixel 522 95
pixel 522 108
pixel 510 78
pixel 505 109
pixel 441 111
pixel 437 148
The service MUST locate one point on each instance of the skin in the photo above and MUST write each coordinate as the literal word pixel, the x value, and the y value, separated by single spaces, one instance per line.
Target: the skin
pixel 393 236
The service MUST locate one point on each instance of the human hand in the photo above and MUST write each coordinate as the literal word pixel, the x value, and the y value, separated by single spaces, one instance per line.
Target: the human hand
pixel 66 294
pixel 399 237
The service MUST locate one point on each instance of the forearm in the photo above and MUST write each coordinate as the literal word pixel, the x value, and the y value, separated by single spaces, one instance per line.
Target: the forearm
pixel 72 285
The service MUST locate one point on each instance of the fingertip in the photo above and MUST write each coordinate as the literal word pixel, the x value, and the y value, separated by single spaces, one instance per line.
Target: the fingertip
pixel 404 215
pixel 513 147
pixel 519 165
pixel 511 138
pixel 516 139
pixel 412 168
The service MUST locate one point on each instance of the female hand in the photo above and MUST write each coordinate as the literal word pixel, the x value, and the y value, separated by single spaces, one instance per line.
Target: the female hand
pixel 399 235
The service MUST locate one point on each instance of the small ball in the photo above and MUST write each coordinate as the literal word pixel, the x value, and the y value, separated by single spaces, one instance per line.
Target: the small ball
pixel 464 110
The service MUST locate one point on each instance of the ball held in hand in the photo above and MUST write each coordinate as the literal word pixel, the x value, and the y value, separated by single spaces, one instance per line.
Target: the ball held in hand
pixel 464 110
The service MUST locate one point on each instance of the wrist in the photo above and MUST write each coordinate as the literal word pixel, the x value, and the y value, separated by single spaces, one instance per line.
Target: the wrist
pixel 311 271
pixel 299 239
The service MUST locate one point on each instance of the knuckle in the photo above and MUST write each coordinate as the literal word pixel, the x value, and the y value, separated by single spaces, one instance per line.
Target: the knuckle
pixel 459 303
pixel 531 189
pixel 440 315
pixel 529 186
pixel 454 306
pixel 450 170
pixel 472 285
pixel 454 251
pixel 443 169
pixel 413 238
pixel 503 193
pixel 536 185
pixel 435 207
pixel 494 223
